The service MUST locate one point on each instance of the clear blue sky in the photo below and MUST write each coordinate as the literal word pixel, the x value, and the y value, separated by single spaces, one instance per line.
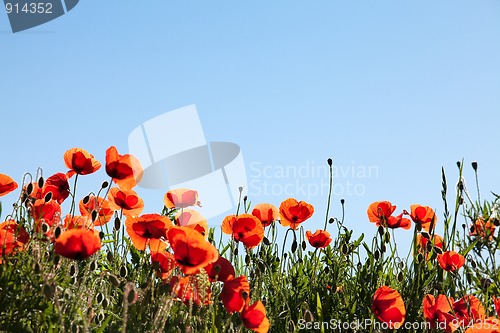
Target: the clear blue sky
pixel 401 87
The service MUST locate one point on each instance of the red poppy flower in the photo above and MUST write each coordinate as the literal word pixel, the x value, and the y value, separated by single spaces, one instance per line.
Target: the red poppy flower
pixel 96 204
pixel 127 200
pixel 13 237
pixel 422 242
pixel 488 325
pixel 190 290
pixel 424 216
pixel 380 212
pixel 232 293
pixel 266 213
pixel 166 263
pixel 78 244
pixel 254 317
pixel 293 212
pixel 181 198
pixel 245 228
pixel 81 222
pixel 485 230
pixel 148 229
pixel 80 161
pixel 7 184
pixel 320 239
pixel 125 170
pixel 58 185
pixel 193 219
pixel 45 211
pixel 388 307
pixel 220 270
pixel 450 260
pixel 438 312
pixel 469 309
pixel 496 303
pixel 191 250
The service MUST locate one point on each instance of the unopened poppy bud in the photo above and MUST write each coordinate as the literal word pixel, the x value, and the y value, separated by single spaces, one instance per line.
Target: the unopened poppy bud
pixel 438 250
pixel 304 245
pixel 132 294
pixel 109 256
pixel 294 246
pixel 245 198
pixel 99 298
pixel 93 265
pixel 105 303
pixel 114 280
pixel 381 230
pixel 262 266
pixel 383 248
pixel 359 266
pixel 86 199
pixel 123 271
pixel 429 246
pixel 387 237
pixel 376 254
pixel 57 232
pixel 420 258
pixel 40 182
pixel 48 197
pixel 425 234
pixel 244 295
pixel 236 251
pixel 240 189
pixel 56 260
pixel 472 263
pixel 327 270
pixel 400 276
pixel 117 223
pixel 36 268
pixel 94 215
pixel 247 259
pixel 29 188
pixel 72 270
pixel 331 220
pixel 342 201
pixel 474 165
pixel 345 249
pixel 266 241
pixel 458 164
pixel 104 184
pixel 329 161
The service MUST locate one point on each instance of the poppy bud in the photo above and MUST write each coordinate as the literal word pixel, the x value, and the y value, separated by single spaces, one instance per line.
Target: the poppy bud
pixel 114 280
pixel 29 188
pixel 329 161
pixel 72 270
pixel 294 246
pixel 86 199
pixel 266 241
pixel 425 234
pixel 304 245
pixel 109 256
pixel 104 184
pixel 40 182
pixel 438 250
pixel 105 303
pixel 458 164
pixel 331 220
pixel 247 259
pixel 56 260
pixel 117 223
pixel 123 271
pixel 381 230
pixel 101 234
pixel 57 232
pixel 327 270
pixel 400 276
pixel 342 201
pixel 262 266
pixel 93 266
pixel 376 255
pixel 48 197
pixel 240 189
pixel 99 298
pixel 474 165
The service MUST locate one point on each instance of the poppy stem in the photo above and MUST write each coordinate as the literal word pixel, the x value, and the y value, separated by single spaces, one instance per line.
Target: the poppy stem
pixel 329 192
pixel 72 209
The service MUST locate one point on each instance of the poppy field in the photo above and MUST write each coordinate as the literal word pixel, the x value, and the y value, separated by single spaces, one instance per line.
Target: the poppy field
pixel 103 264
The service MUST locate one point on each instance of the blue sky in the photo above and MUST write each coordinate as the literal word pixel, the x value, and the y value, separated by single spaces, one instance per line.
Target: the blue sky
pixel 403 87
